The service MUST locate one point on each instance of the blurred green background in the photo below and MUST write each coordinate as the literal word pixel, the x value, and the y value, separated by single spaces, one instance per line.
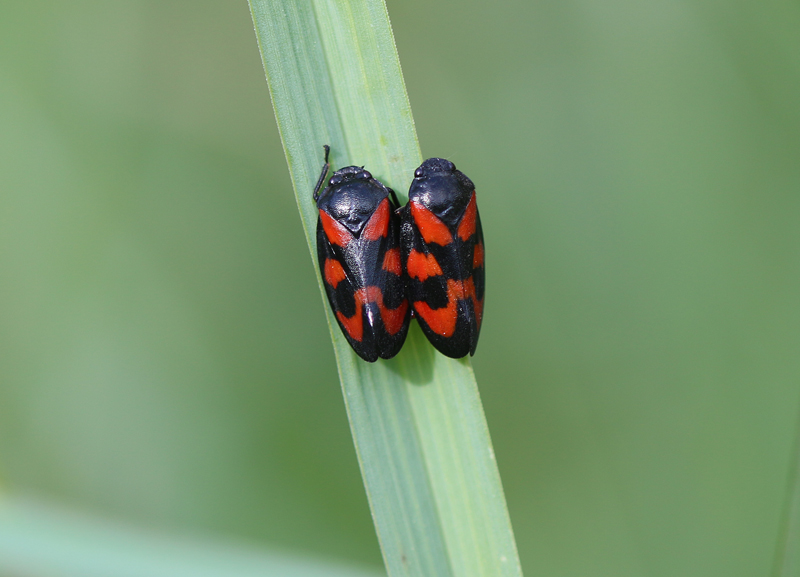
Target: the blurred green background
pixel 164 358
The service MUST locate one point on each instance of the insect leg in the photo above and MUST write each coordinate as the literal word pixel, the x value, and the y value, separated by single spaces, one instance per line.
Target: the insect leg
pixel 394 197
pixel 325 168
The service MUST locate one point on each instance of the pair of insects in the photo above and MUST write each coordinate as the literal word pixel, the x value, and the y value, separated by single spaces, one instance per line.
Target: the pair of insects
pixel 383 264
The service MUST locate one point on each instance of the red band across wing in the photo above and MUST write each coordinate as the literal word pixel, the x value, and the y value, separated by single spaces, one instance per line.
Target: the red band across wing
pixel 442 321
pixel 337 234
pixel 334 272
pixel 461 290
pixel 477 256
pixel 392 318
pixel 478 310
pixel 378 224
pixel 421 266
pixel 430 226
pixel 354 325
pixel 391 261
pixel 467 226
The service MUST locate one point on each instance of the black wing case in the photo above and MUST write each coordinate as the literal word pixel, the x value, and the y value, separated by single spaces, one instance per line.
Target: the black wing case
pixel 446 277
pixel 389 309
pixel 365 287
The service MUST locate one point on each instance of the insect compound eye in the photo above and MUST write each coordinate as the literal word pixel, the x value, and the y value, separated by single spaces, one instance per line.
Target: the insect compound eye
pixel 364 175
pixel 418 173
pixel 451 167
pixel 335 180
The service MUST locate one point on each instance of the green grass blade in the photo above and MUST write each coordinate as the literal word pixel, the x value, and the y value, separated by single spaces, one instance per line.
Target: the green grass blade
pixel 417 420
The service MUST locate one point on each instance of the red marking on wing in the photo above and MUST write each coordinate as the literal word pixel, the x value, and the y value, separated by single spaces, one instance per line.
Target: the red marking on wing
pixel 461 290
pixel 378 225
pixel 337 234
pixel 443 320
pixel 354 325
pixel 391 261
pixel 429 225
pixel 421 266
pixel 477 256
pixel 467 291
pixel 334 273
pixel 467 226
pixel 392 318
pixel 370 294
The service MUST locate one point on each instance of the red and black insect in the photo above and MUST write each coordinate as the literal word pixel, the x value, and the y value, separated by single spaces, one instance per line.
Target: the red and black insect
pixel 358 245
pixel 442 245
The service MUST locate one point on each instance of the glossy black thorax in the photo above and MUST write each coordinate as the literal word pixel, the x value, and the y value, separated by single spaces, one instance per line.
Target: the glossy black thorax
pixel 351 197
pixel 442 189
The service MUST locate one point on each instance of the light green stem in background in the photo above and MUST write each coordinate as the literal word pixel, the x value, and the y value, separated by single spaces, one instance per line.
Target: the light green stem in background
pixel 417 421
pixel 39 537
